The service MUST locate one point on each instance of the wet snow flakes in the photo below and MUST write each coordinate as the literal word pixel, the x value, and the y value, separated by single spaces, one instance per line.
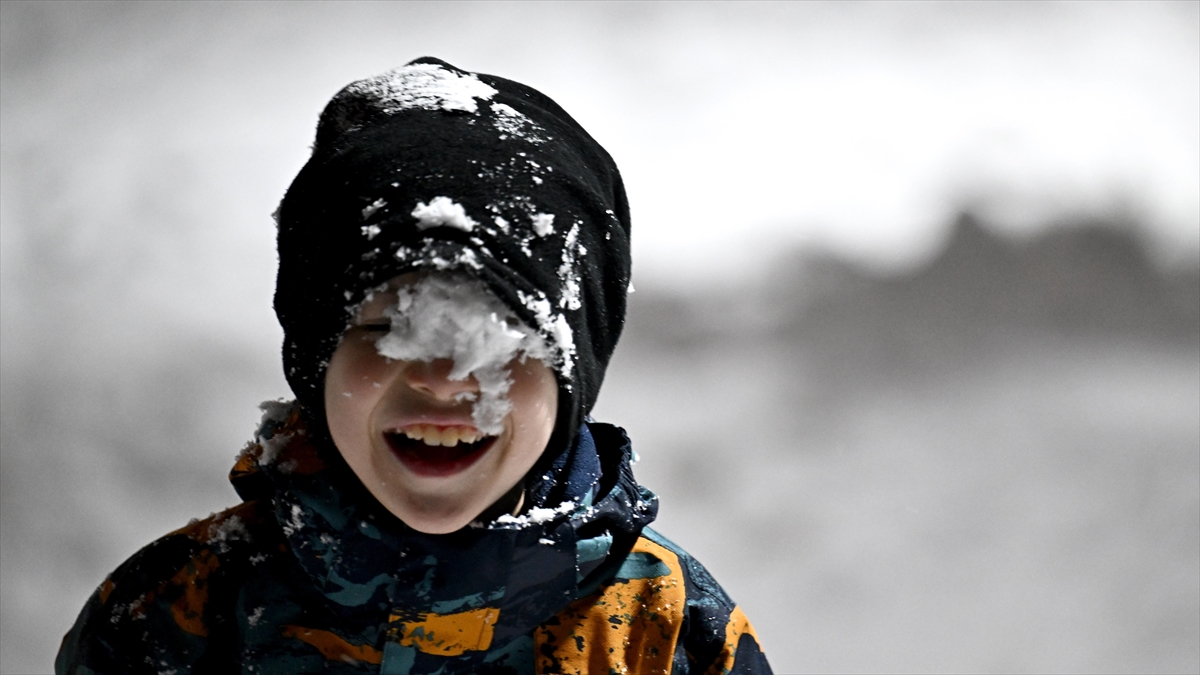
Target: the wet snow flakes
pixel 442 211
pixel 428 86
pixel 510 122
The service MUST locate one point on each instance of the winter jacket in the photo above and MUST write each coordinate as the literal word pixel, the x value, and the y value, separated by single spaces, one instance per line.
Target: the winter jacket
pixel 310 574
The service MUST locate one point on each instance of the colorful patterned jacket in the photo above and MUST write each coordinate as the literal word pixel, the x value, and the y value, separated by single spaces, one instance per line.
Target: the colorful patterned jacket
pixel 309 574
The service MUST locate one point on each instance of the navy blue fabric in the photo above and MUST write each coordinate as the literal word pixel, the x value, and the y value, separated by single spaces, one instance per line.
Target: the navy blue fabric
pixel 572 475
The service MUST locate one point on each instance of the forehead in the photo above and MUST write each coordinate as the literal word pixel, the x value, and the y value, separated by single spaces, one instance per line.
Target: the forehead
pixel 380 299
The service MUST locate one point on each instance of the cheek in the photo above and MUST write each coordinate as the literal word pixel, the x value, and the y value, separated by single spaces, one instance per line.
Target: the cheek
pixel 534 395
pixel 356 378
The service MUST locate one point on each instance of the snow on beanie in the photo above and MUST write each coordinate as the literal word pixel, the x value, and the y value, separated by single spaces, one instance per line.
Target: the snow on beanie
pixel 429 167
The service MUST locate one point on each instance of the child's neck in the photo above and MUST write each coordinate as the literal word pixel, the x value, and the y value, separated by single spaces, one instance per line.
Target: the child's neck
pixel 511 503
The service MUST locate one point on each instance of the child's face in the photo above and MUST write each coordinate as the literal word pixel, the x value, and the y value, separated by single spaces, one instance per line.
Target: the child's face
pixel 407 432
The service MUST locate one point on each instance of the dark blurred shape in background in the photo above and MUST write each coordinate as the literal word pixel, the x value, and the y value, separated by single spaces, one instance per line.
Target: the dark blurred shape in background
pixel 990 463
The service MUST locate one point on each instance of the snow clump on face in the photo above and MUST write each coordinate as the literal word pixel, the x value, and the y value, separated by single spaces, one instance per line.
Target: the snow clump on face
pixel 454 316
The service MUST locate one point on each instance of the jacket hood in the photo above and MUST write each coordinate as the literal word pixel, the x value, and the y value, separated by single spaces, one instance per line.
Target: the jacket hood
pixel 511 574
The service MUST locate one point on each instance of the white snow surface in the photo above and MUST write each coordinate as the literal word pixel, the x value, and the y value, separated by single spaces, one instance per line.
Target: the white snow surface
pixel 442 211
pixel 455 316
pixel 423 85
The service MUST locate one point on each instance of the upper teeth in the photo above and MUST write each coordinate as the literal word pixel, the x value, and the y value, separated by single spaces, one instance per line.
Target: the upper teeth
pixel 447 436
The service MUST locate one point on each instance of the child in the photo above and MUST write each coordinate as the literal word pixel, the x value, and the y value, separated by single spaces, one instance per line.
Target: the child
pixel 453 265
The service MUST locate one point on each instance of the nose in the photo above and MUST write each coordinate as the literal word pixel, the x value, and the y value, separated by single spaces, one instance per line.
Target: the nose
pixel 432 378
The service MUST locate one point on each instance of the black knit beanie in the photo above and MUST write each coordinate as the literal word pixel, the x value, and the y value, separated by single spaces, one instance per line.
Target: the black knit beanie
pixel 428 167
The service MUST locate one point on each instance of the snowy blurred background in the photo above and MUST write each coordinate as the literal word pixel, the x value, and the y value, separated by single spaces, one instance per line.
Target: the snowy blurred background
pixel 913 359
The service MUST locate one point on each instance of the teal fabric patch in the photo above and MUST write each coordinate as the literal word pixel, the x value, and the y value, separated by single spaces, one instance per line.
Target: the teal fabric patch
pixel 639 565
pixel 517 654
pixel 473 601
pixel 352 594
pixel 397 659
pixel 369 530
pixel 656 537
pixel 334 515
pixel 587 550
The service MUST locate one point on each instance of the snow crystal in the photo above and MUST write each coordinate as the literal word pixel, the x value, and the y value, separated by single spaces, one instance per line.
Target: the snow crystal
pixel 548 542
pixel 369 231
pixel 509 121
pixel 536 515
pixel 565 339
pixel 554 327
pixel 229 529
pixel 370 209
pixel 423 85
pixel 464 258
pixel 442 211
pixel 567 273
pixel 271 447
pixel 543 224
pixel 276 411
pixel 255 616
pixel 454 316
pixel 467 257
pixel 295 523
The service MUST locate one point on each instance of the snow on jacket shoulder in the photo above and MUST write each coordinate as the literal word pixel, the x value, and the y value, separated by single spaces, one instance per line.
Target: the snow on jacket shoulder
pixel 309 576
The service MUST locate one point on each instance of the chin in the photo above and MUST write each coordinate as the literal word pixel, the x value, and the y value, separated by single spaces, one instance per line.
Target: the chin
pixel 435 519
pixel 437 527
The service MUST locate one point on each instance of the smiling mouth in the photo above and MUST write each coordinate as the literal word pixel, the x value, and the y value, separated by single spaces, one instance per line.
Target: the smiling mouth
pixel 432 450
